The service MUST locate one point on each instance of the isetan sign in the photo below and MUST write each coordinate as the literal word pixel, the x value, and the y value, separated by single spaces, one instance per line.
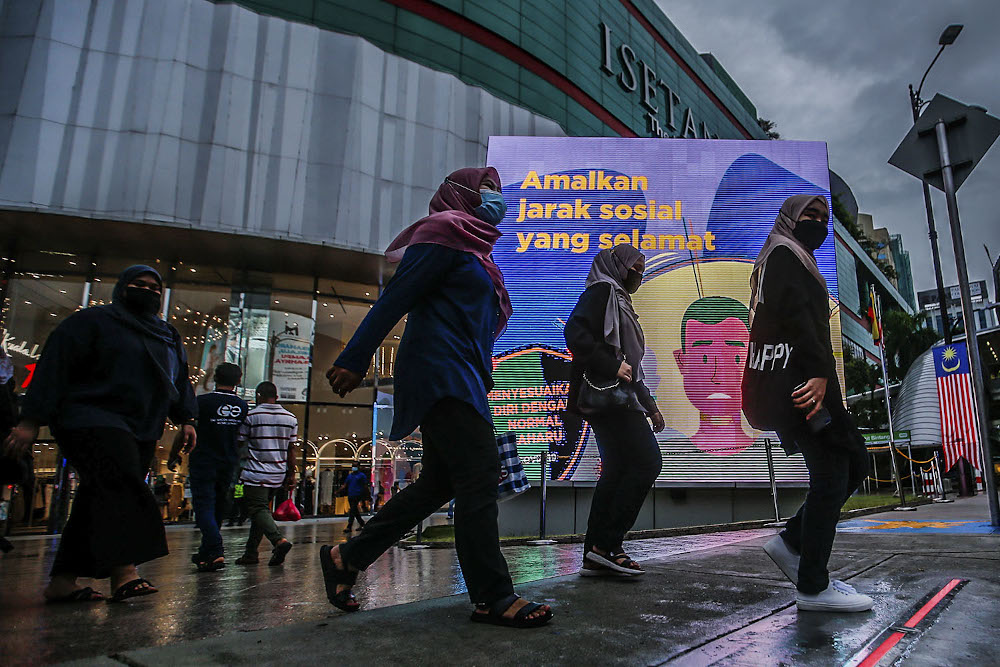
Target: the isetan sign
pixel 666 113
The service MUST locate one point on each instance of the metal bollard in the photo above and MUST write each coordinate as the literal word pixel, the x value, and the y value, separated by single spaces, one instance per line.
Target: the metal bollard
pixel 541 506
pixel 774 483
pixel 940 483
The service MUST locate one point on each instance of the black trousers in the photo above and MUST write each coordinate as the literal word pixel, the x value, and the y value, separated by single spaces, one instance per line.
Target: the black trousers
pixel 115 519
pixel 630 463
pixel 460 461
pixel 837 464
pixel 355 511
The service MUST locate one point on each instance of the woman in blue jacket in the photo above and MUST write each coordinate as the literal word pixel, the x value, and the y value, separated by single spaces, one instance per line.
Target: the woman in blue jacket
pixel 458 305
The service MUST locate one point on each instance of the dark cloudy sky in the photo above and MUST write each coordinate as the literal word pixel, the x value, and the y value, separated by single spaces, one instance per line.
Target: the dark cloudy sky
pixel 838 72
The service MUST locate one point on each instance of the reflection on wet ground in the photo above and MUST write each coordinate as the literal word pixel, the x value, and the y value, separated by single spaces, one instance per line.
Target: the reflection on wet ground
pixel 709 599
pixel 192 605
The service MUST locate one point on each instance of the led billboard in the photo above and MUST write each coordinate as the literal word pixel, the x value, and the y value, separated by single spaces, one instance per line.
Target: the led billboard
pixel 699 210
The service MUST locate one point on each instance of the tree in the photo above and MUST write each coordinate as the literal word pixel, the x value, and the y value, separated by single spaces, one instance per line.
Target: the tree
pixel 862 377
pixel 906 338
pixel 769 127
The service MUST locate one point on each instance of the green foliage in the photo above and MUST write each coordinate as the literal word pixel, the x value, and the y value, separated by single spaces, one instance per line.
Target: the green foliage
pixel 886 268
pixel 906 338
pixel 769 127
pixel 862 377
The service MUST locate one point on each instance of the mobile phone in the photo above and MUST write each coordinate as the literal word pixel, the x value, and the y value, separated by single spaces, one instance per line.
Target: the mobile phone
pixel 821 419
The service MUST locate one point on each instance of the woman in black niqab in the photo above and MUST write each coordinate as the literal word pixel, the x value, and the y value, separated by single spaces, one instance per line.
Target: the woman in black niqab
pixel 108 378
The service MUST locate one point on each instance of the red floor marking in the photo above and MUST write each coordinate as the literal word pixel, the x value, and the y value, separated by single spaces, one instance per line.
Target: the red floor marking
pixel 894 638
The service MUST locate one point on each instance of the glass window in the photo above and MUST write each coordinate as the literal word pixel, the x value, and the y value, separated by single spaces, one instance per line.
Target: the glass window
pixel 336 322
pixel 36 303
pixel 201 314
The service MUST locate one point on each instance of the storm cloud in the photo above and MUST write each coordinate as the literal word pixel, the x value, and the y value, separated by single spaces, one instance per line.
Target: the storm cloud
pixel 838 72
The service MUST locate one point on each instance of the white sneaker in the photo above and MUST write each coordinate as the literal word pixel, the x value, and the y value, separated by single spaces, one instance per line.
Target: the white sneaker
pixel 783 557
pixel 838 596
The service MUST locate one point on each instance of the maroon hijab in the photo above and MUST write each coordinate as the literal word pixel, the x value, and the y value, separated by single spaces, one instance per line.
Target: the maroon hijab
pixel 452 223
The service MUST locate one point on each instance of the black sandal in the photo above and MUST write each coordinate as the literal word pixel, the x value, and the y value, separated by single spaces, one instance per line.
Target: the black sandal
pixel 211 565
pixel 133 589
pixel 619 562
pixel 494 614
pixel 334 576
pixel 87 594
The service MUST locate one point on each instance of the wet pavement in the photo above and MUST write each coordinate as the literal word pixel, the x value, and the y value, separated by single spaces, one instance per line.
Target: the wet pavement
pixel 707 599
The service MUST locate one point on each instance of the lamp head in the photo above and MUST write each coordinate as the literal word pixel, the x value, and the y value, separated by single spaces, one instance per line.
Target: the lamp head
pixel 949 34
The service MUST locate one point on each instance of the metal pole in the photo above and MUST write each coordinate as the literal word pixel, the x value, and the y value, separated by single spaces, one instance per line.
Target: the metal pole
pixel 888 413
pixel 770 474
pixel 932 233
pixel 913 478
pixel 875 471
pixel 972 340
pixel 545 488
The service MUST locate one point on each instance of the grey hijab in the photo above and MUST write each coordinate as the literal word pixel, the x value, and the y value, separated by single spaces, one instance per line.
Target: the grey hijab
pixel 621 324
pixel 781 235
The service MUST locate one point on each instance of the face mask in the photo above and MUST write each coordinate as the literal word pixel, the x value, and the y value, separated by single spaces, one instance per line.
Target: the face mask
pixel 632 281
pixel 142 301
pixel 354 469
pixel 493 208
pixel 811 233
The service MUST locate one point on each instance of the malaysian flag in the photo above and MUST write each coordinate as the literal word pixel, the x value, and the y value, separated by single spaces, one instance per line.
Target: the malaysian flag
pixel 959 433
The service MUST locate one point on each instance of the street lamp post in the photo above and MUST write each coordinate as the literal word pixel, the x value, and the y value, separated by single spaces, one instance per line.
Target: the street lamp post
pixel 947 37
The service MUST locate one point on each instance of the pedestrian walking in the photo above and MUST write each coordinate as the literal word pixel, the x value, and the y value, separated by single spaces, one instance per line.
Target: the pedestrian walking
pixel 458 305
pixel 607 343
pixel 268 433
pixel 788 296
pixel 356 488
pixel 106 382
pixel 238 512
pixel 211 465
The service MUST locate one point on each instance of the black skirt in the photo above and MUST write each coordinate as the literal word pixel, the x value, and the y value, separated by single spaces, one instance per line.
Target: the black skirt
pixel 114 520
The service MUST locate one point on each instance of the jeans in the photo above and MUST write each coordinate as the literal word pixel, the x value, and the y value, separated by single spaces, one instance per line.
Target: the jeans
pixel 354 502
pixel 258 499
pixel 837 464
pixel 630 463
pixel 211 490
pixel 460 461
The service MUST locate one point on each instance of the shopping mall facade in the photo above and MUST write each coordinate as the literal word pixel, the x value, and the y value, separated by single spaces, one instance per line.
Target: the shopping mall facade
pixel 262 154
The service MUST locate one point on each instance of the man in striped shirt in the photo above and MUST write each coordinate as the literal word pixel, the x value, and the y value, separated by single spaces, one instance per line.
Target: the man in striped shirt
pixel 267 434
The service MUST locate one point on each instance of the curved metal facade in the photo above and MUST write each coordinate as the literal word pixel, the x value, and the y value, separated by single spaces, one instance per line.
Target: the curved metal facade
pixel 213 117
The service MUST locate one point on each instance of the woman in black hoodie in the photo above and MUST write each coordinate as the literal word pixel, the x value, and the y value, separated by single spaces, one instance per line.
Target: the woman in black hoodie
pixel 788 294
pixel 108 378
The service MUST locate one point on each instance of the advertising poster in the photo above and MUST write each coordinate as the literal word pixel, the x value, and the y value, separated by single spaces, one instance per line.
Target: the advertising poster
pixel 291 345
pixel 699 210
pixel 213 353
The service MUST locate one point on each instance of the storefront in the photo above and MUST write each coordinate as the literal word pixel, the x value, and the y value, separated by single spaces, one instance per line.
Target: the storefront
pixel 281 327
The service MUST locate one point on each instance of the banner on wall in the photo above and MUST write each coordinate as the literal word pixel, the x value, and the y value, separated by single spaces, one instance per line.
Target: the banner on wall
pixel 699 210
pixel 291 339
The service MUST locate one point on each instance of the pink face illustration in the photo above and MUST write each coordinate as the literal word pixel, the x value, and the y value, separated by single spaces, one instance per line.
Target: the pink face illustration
pixel 711 361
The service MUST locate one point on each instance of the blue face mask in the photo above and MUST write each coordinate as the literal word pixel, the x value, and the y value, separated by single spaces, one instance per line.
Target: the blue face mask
pixel 493 209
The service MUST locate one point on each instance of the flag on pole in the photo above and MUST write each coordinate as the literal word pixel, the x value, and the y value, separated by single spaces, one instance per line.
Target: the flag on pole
pixel 873 315
pixel 959 432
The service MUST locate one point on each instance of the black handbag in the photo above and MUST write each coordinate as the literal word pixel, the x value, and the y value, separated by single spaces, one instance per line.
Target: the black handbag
pixel 771 373
pixel 595 399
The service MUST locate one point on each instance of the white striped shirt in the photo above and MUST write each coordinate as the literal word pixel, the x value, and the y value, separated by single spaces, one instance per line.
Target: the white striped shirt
pixel 268 431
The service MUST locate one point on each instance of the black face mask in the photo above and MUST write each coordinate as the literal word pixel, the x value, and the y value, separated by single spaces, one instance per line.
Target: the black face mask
pixel 141 301
pixel 811 233
pixel 632 281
